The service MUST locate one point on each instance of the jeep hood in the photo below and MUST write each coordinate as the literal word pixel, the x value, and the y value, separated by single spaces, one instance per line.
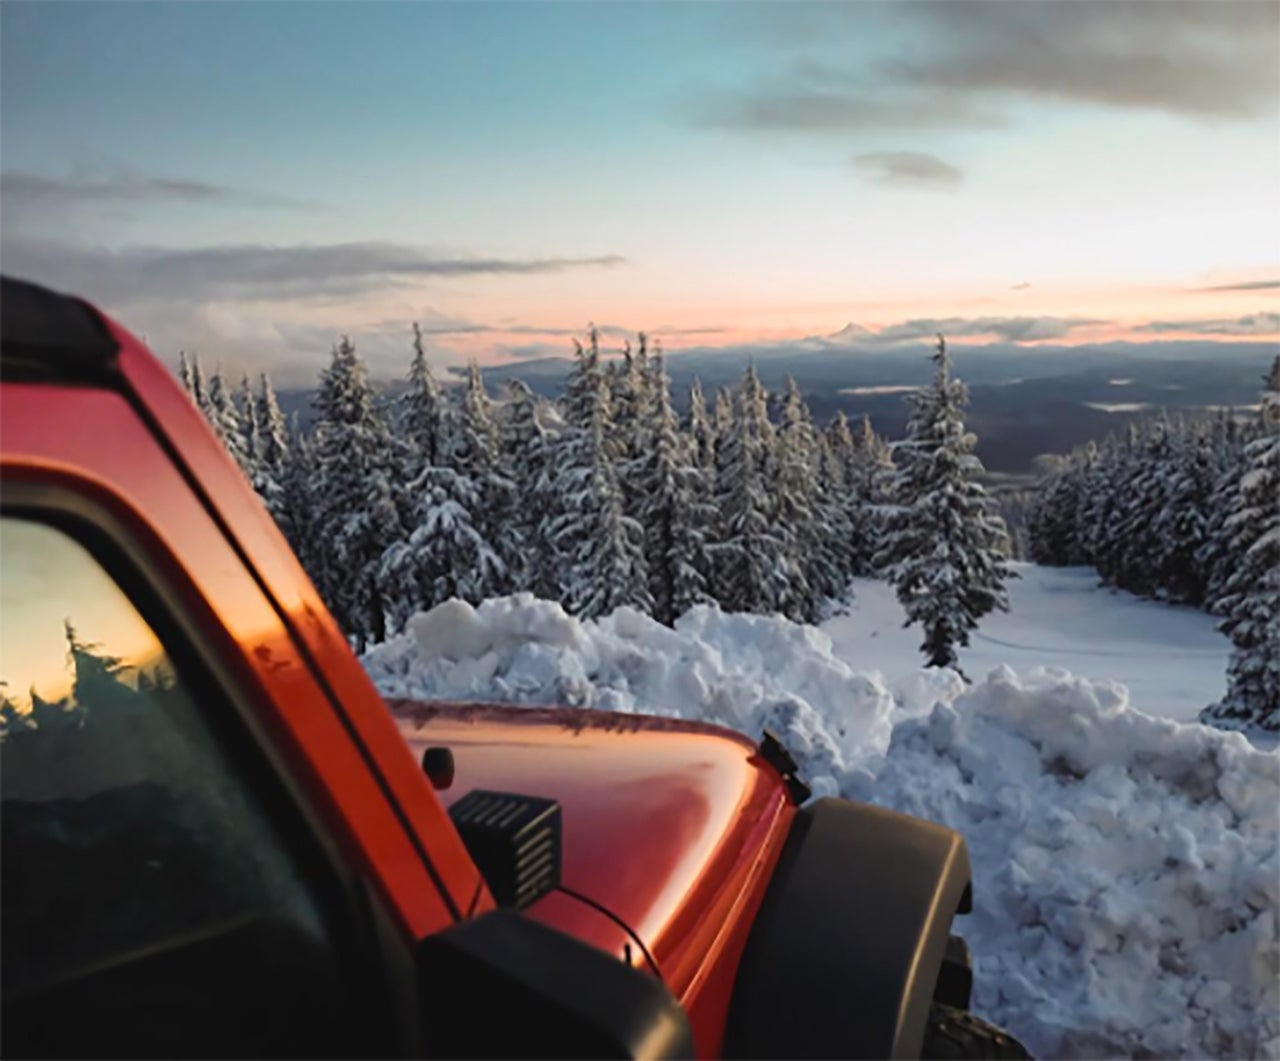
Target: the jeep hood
pixel 667 824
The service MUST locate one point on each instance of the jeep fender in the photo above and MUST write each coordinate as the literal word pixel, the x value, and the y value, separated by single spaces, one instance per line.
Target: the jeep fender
pixel 845 952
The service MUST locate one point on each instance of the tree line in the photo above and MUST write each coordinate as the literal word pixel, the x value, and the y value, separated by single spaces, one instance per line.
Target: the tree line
pixel 605 497
pixel 1186 510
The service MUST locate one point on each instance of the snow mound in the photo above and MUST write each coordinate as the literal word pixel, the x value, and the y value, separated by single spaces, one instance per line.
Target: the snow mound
pixel 743 671
pixel 1127 875
pixel 1126 868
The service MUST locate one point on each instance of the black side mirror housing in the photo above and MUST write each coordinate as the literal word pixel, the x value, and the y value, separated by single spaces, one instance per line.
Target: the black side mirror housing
pixel 503 986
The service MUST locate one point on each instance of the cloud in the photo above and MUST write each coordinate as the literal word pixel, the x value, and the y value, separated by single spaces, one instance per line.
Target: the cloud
pixel 909 168
pixel 1024 286
pixel 1247 285
pixel 530 351
pixel 800 106
pixel 249 272
pixel 23 190
pixel 1208 59
pixel 949 64
pixel 1009 329
pixel 1249 324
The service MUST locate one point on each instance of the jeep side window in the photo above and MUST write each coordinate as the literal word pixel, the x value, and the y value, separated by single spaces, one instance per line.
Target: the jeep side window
pixel 148 898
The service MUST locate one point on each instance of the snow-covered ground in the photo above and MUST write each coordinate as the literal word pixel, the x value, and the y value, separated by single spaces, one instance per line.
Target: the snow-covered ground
pixel 1127 875
pixel 1170 657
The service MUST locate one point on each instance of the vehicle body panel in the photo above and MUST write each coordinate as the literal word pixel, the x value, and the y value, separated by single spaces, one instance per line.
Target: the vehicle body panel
pixel 672 826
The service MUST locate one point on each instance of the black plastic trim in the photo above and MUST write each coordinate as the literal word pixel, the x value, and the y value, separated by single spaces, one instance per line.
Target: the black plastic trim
pixel 845 952
pixel 501 985
pixel 45 336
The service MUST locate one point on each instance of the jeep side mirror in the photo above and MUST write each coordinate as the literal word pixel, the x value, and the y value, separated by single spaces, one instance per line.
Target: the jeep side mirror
pixel 502 985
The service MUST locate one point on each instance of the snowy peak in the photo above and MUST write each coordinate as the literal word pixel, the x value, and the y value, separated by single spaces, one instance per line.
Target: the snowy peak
pixel 851 333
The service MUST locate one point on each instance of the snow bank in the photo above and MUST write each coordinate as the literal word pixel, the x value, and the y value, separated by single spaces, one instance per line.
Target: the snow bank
pixel 1126 869
pixel 1127 874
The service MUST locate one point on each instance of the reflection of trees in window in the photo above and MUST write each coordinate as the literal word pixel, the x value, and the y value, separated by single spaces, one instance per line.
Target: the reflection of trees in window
pixel 102 685
pixel 123 818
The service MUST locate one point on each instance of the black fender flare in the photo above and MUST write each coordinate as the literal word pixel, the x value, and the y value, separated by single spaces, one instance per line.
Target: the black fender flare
pixel 844 954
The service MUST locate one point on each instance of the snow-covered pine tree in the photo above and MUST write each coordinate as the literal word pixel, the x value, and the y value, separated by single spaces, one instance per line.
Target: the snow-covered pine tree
pixel 870 475
pixel 833 567
pixel 525 450
pixel 1055 519
pixel 722 413
pixel 419 411
pixel 629 386
pixel 356 504
pixel 1140 553
pixel 1093 507
pixel 1182 522
pixel 1250 605
pixel 674 512
pixel 946 547
pixel 749 571
pixel 1119 513
pixel 1216 557
pixel 185 375
pixel 472 450
pixel 225 419
pixel 700 430
pixel 296 516
pixel 445 555
pixel 272 447
pixel 599 549
pixel 836 475
pixel 632 410
pixel 247 409
pixel 794 489
pixel 273 434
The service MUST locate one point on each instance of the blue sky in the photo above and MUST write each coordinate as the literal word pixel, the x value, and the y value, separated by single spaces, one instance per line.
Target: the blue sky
pixel 250 179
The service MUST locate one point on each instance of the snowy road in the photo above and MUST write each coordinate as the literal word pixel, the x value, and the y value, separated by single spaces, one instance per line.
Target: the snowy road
pixel 1170 658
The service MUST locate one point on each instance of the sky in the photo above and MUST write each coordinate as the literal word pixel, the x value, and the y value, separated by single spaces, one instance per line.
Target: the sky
pixel 247 181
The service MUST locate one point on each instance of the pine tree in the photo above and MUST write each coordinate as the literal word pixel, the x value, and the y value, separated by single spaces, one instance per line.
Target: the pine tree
pixel 247 410
pixel 794 490
pixel 357 507
pixel 1216 558
pixel 420 411
pixel 870 475
pixel 833 563
pixel 446 555
pixel 1181 525
pixel 701 432
pixel 472 449
pixel 599 549
pixel 1056 517
pixel 225 419
pixel 1138 558
pixel 749 573
pixel 631 405
pixel 1250 606
pixel 296 517
pixel 271 448
pixel 524 447
pixel 673 511
pixel 845 510
pixel 185 376
pixel 946 546
pixel 722 413
pixel 200 385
